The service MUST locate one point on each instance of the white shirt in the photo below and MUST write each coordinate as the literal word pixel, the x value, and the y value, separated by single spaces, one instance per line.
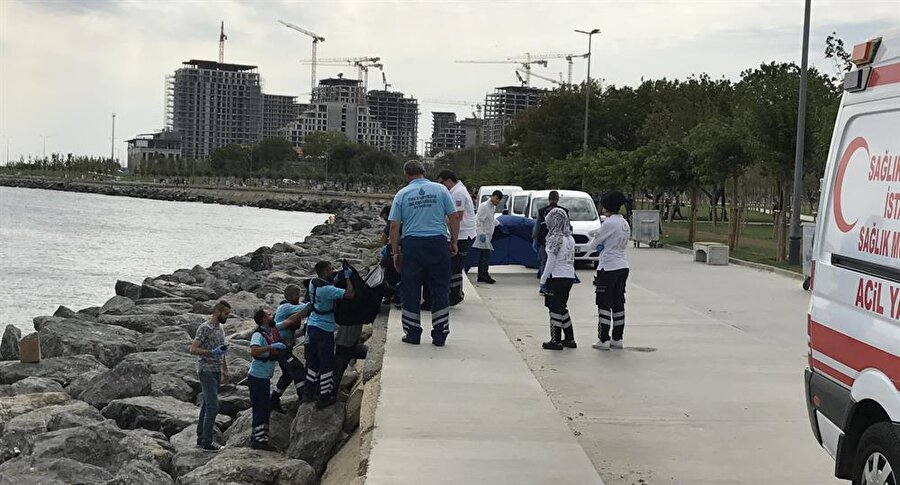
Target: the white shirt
pixel 485 224
pixel 613 234
pixel 561 265
pixel 463 202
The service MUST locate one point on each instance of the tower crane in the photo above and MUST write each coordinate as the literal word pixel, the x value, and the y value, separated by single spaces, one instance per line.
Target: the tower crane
pixel 525 63
pixel 384 80
pixel 316 38
pixel 222 39
pixel 568 57
pixel 362 65
pixel 539 76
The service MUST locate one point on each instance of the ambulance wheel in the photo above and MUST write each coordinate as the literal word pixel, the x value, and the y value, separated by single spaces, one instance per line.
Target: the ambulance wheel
pixel 596 264
pixel 877 457
pixel 637 244
pixel 806 283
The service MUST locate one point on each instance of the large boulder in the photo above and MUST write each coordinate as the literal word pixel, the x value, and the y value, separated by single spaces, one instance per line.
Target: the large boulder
pixel 61 369
pixel 65 312
pixel 232 402
pixel 315 432
pixel 148 291
pixel 12 406
pixel 9 344
pixel 168 309
pixel 117 305
pixel 187 438
pixel 21 431
pixel 261 262
pixel 137 472
pixel 238 435
pixel 69 337
pixel 165 414
pixel 101 444
pixel 128 379
pixel 52 471
pixel 189 322
pixel 189 459
pixel 171 299
pixel 170 337
pixel 171 385
pixel 186 290
pixel 31 385
pixel 128 289
pixel 142 322
pixel 251 467
pixel 243 304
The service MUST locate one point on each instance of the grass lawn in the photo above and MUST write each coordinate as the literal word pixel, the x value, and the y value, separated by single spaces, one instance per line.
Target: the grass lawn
pixel 756 243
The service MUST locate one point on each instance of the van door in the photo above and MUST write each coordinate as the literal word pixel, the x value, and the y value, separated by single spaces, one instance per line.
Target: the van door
pixel 519 204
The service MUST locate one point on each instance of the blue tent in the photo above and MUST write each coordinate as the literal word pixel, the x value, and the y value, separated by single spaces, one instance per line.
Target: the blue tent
pixel 512 244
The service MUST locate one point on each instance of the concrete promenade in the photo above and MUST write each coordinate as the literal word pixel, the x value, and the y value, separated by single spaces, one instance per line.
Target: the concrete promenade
pixel 709 389
pixel 468 413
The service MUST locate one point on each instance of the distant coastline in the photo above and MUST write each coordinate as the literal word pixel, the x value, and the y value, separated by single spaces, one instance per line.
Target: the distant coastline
pixel 262 197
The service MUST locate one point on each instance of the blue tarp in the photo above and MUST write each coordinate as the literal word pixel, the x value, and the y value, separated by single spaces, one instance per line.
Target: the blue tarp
pixel 512 244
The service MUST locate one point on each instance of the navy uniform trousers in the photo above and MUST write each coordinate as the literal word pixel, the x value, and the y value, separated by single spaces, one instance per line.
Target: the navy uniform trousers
pixel 425 260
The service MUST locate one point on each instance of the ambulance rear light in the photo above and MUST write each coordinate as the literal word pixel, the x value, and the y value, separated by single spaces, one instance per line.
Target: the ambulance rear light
pixel 812 275
pixel 862 57
pixel 863 54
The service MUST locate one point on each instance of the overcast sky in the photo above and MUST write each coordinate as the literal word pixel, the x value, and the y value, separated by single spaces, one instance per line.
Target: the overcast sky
pixel 66 65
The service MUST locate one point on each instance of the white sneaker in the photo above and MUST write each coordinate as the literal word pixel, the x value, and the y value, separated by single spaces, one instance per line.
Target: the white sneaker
pixel 601 345
pixel 616 344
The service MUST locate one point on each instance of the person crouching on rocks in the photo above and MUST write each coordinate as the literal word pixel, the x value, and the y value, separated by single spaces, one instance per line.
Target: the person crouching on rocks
pixel 291 367
pixel 558 277
pixel 320 334
pixel 209 346
pixel 265 347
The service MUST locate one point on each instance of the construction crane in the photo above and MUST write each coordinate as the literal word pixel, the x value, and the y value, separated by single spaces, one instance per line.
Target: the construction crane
pixel 539 76
pixel 384 80
pixel 363 64
pixel 568 57
pixel 316 38
pixel 526 63
pixel 222 39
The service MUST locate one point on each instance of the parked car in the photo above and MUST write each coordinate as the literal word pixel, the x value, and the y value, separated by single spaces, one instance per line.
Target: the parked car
pixel 853 376
pixel 582 213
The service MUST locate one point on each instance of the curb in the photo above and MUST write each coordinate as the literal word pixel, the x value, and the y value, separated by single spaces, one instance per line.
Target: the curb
pixel 741 262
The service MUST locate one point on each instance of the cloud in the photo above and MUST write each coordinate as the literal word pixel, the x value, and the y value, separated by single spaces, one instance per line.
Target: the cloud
pixel 69 64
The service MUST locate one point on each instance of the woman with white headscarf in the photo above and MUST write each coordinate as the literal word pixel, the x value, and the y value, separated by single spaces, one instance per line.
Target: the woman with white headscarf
pixel 557 279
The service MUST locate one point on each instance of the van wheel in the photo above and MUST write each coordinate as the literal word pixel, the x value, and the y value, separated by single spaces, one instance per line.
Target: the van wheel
pixel 877 457
pixel 806 283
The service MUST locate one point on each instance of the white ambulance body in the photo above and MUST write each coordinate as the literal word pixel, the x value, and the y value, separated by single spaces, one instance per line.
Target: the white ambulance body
pixel 854 315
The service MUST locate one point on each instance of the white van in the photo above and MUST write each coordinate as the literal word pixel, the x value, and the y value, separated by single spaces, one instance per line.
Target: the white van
pixel 519 204
pixel 582 214
pixel 853 376
pixel 485 192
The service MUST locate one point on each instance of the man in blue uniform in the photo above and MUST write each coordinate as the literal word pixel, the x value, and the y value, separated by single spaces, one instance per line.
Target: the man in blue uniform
pixel 420 216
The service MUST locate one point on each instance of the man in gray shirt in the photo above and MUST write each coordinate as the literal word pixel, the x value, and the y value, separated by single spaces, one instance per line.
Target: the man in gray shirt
pixel 209 346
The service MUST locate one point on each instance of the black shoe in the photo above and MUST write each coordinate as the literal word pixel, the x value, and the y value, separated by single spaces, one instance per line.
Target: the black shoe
pixel 275 401
pixel 569 344
pixel 438 343
pixel 490 280
pixel 455 301
pixel 325 401
pixel 212 447
pixel 261 445
pixel 552 345
pixel 409 340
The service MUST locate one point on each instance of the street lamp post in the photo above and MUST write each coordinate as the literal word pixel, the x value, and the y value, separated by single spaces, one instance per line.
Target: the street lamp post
pixel 796 199
pixel 44 139
pixel 587 88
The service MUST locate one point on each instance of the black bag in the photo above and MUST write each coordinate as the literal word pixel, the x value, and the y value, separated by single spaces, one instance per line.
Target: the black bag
pixel 366 302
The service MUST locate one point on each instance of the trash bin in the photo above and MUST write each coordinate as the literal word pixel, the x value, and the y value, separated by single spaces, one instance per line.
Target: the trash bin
pixel 645 227
pixel 809 236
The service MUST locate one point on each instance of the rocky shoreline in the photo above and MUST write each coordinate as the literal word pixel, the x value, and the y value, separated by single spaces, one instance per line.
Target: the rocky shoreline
pixel 261 197
pixel 114 400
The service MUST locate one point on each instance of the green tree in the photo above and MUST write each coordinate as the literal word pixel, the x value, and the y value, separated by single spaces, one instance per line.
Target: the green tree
pixel 232 159
pixel 273 155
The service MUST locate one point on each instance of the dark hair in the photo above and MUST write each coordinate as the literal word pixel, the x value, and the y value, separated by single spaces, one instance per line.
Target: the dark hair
pixel 259 316
pixel 448 175
pixel 321 266
pixel 497 193
pixel 291 291
pixel 220 306
pixel 413 167
pixel 554 196
pixel 385 210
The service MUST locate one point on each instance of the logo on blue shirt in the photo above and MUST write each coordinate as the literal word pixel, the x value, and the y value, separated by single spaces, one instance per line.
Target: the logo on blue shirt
pixel 421 192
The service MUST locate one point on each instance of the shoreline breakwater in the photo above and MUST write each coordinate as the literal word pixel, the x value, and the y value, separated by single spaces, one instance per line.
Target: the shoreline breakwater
pixel 114 399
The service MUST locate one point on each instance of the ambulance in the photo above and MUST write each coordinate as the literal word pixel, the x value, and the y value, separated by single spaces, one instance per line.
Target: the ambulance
pixel 853 323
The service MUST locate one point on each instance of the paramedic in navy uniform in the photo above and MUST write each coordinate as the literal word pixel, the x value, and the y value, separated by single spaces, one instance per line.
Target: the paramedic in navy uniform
pixel 424 210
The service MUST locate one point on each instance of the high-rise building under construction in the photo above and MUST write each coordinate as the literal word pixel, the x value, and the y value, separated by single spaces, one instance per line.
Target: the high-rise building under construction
pixel 501 106
pixel 399 115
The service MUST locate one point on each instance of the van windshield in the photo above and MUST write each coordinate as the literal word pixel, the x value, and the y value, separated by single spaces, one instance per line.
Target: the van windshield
pixel 500 207
pixel 579 209
pixel 519 203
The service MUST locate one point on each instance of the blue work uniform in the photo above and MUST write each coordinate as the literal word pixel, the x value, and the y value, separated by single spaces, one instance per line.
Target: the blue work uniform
pixel 423 207
pixel 292 369
pixel 320 328
pixel 259 378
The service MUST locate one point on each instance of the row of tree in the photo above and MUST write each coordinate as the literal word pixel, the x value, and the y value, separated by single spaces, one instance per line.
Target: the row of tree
pixel 699 137
pixel 58 163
